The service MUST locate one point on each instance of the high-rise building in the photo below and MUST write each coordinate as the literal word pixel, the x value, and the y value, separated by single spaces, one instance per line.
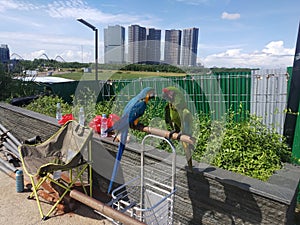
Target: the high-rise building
pixel 114 44
pixel 4 53
pixel 136 44
pixel 153 45
pixel 172 47
pixel 189 47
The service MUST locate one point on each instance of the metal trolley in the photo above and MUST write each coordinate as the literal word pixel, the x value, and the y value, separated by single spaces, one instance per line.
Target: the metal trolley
pixel 149 197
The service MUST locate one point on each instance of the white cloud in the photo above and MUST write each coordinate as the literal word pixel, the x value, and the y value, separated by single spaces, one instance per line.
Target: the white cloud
pixel 277 48
pixel 230 16
pixel 35 54
pixel 4 5
pixel 71 55
pixel 79 9
pixel 18 5
pixel 78 56
pixel 40 39
pixel 273 55
pixel 69 48
pixel 75 9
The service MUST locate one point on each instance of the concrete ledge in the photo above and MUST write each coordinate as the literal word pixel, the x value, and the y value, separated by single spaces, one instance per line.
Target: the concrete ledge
pixel 209 195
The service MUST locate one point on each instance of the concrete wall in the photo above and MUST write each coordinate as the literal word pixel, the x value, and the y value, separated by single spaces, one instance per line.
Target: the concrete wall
pixel 209 195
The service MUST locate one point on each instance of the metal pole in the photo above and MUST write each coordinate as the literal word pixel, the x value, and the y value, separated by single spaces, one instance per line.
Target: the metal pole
pixel 10 135
pixel 7 165
pixel 96 54
pixel 96 43
pixel 104 209
pixel 11 149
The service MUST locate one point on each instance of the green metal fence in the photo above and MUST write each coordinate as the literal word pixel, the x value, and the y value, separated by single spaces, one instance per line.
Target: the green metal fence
pixel 208 93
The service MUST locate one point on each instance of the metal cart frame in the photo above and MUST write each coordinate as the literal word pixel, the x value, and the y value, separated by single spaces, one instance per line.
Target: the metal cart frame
pixel 148 200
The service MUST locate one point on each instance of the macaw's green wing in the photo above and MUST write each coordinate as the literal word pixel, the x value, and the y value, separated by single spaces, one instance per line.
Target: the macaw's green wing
pixel 172 118
pixel 168 116
pixel 175 118
pixel 187 122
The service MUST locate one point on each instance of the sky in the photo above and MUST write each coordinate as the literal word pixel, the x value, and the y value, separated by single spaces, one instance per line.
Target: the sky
pixel 232 33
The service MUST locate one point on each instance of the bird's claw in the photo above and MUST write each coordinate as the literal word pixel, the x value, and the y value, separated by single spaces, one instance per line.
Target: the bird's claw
pixel 171 134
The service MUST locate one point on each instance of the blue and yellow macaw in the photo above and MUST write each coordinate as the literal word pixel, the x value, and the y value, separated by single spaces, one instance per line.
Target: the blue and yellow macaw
pixel 134 109
pixel 179 118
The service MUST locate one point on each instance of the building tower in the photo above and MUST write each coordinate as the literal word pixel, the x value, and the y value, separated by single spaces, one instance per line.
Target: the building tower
pixel 172 47
pixel 189 46
pixel 136 44
pixel 4 53
pixel 114 40
pixel 153 46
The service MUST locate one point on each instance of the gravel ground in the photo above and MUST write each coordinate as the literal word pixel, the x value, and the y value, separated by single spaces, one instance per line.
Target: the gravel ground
pixel 16 209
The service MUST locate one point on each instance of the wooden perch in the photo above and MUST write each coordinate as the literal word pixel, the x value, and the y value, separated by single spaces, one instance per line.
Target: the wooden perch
pixel 165 133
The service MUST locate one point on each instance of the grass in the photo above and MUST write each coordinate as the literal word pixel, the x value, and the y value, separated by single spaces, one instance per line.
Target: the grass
pixel 114 75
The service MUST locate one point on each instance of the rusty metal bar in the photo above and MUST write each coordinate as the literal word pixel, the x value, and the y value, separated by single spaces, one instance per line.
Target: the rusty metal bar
pixel 104 209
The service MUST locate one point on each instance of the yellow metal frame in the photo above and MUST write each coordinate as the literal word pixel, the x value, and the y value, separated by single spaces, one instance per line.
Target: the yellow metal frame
pixel 67 186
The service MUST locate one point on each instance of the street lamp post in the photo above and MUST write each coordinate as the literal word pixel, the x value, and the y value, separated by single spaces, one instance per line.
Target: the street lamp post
pixel 96 43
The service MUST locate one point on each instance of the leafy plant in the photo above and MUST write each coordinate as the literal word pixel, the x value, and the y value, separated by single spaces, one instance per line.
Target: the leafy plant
pixel 106 107
pixel 85 98
pixel 247 147
pixel 47 105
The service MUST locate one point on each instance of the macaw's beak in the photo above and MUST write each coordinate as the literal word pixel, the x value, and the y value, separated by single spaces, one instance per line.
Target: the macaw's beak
pixel 151 95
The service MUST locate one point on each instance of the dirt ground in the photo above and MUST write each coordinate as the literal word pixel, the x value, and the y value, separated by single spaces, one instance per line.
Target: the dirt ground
pixel 16 209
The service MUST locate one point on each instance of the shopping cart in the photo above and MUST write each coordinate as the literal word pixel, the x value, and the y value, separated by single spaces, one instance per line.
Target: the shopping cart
pixel 149 197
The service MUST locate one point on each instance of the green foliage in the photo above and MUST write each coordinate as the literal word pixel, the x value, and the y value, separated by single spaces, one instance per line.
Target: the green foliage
pixel 107 107
pixel 152 68
pixel 41 63
pixel 47 105
pixel 5 83
pixel 247 147
pixel 85 98
pixel 11 88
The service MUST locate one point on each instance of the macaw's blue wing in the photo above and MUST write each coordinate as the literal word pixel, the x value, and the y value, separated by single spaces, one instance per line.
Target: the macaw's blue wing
pixel 142 95
pixel 132 112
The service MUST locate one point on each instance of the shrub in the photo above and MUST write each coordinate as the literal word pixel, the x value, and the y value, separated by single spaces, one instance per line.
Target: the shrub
pixel 47 105
pixel 247 147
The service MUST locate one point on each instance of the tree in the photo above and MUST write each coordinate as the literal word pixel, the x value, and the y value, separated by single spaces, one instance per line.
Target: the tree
pixel 5 82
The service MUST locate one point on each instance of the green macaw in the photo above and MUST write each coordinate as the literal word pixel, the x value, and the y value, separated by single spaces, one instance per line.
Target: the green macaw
pixel 179 118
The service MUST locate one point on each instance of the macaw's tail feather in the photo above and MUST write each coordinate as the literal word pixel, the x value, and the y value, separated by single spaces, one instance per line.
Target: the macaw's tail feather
pixel 111 129
pixel 188 154
pixel 118 159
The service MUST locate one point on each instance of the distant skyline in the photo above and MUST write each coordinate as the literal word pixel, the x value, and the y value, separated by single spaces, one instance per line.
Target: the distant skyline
pixel 232 33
